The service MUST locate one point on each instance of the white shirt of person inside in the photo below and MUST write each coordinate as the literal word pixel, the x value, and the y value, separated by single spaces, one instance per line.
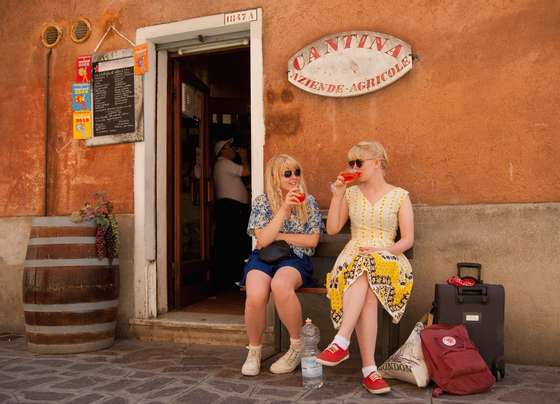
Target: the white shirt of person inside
pixel 227 181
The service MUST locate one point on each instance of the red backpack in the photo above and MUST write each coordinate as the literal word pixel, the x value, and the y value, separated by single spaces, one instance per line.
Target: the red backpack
pixel 453 361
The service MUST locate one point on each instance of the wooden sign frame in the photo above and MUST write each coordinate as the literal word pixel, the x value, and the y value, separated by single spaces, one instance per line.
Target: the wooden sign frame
pixel 120 58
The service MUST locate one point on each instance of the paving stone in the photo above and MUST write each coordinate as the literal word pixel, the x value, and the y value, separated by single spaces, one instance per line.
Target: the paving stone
pixel 153 365
pixel 116 385
pixel 6 362
pixel 279 402
pixel 290 380
pixel 141 375
pixel 84 367
pixel 116 400
pixel 239 400
pixel 197 361
pixel 198 396
pixel 195 374
pixel 330 391
pixel 79 383
pixel 97 359
pixel 228 387
pixel 230 374
pixel 114 371
pixel 530 396
pixel 39 372
pixel 145 355
pixel 23 384
pixel 88 398
pixel 56 363
pixel 548 378
pixel 168 392
pixel 45 396
pixel 274 392
pixel 178 374
pixel 4 398
pixel 18 369
pixel 151 385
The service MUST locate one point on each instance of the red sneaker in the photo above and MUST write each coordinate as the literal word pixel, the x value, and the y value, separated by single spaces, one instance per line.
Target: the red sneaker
pixel 332 355
pixel 375 384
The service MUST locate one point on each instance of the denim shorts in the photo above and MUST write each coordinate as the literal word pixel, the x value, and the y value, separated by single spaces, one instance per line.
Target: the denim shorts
pixel 302 265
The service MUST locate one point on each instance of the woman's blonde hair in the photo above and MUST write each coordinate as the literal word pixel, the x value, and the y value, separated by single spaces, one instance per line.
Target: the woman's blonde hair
pixel 372 148
pixel 274 171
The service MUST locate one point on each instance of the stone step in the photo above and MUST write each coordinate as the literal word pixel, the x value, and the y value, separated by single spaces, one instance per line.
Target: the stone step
pixel 194 332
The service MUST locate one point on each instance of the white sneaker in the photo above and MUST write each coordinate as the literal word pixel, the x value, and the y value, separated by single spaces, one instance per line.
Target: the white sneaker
pixel 287 363
pixel 252 365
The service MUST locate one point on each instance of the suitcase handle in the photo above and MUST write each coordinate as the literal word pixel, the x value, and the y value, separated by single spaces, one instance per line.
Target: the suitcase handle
pixel 478 293
pixel 470 265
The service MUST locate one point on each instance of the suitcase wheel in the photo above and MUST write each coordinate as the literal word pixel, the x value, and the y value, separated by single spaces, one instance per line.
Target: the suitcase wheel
pixel 499 370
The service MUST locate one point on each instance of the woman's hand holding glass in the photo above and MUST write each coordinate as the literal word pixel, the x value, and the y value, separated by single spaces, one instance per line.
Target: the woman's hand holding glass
pixel 294 197
pixel 338 187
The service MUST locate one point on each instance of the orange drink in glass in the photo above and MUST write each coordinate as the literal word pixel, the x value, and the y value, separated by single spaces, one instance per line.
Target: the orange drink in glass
pixel 350 176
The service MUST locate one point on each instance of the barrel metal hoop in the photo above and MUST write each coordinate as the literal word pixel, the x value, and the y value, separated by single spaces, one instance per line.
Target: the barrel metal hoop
pixel 61 240
pixel 71 307
pixel 70 329
pixel 77 262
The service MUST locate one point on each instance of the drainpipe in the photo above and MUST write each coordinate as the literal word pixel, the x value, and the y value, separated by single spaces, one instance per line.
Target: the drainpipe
pixel 46 185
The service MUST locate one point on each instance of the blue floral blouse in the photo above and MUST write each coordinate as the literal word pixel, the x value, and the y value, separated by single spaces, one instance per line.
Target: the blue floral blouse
pixel 261 215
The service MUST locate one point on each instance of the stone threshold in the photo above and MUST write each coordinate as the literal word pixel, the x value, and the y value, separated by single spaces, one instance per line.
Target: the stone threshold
pixel 195 328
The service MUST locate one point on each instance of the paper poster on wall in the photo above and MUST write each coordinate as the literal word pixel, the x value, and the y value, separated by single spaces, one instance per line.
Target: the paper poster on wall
pixel 83 69
pixel 81 97
pixel 81 124
pixel 141 59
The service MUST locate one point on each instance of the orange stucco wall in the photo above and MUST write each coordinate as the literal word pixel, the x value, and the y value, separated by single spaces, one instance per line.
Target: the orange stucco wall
pixel 475 121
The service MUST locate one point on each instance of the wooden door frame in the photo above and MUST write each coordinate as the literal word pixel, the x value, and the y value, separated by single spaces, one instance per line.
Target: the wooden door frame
pixel 177 69
pixel 150 202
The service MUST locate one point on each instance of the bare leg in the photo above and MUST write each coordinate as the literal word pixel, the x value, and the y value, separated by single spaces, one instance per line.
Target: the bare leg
pixel 258 292
pixel 353 303
pixel 366 329
pixel 283 285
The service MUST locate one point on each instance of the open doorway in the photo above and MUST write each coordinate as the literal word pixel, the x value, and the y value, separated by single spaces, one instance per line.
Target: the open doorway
pixel 208 123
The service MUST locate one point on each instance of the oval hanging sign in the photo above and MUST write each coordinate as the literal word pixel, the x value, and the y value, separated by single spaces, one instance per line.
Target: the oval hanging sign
pixel 352 63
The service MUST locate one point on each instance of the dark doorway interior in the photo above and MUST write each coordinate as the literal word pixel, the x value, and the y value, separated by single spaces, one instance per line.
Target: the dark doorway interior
pixel 209 102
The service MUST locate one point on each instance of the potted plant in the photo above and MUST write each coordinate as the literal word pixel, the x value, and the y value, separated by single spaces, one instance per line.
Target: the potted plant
pixel 107 242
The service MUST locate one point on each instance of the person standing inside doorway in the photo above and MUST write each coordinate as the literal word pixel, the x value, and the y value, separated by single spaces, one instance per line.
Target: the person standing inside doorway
pixel 231 243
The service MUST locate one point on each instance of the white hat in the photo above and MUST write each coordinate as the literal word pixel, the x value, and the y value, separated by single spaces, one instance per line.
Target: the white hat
pixel 220 145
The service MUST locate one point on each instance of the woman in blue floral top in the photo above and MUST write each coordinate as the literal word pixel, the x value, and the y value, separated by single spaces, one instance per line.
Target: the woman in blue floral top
pixel 279 215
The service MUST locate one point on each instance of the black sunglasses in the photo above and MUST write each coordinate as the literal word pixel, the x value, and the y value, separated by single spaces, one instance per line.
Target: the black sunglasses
pixel 358 163
pixel 296 172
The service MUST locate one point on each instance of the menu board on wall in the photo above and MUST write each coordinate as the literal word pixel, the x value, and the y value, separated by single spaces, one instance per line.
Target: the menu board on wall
pixel 116 98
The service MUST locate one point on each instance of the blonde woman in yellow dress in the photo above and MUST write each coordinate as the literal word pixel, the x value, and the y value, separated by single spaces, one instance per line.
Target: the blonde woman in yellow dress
pixel 371 269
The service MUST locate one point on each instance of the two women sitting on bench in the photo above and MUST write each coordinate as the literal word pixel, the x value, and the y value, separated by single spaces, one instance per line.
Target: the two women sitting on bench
pixel 371 268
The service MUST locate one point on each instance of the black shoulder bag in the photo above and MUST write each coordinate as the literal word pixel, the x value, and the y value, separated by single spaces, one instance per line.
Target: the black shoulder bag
pixel 275 251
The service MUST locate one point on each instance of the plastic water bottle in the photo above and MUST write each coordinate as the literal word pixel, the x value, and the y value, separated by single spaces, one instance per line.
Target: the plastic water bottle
pixel 311 370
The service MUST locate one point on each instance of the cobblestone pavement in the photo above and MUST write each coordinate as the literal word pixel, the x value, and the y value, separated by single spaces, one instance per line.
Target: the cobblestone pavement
pixel 149 372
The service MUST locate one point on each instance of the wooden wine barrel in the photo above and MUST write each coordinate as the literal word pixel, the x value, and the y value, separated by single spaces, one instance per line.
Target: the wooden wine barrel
pixel 70 297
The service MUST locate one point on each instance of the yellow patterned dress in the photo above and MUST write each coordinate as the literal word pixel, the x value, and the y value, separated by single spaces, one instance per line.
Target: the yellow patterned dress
pixel 389 276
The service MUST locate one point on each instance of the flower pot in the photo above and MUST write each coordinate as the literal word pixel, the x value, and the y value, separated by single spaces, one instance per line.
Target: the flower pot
pixel 70 297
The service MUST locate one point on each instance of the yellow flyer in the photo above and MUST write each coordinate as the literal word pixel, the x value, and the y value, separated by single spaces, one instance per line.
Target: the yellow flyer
pixel 81 124
pixel 141 59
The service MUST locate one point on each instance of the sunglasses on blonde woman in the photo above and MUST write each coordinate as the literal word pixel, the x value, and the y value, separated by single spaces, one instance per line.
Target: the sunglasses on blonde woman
pixel 288 173
pixel 358 162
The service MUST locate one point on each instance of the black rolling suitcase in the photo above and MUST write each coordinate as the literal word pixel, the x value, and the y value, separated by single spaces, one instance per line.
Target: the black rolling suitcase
pixel 481 309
